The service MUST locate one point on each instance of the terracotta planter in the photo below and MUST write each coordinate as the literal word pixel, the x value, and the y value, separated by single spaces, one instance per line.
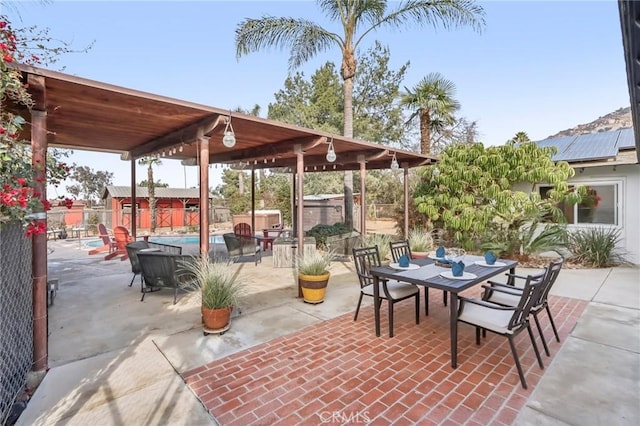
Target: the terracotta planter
pixel 419 254
pixel 216 319
pixel 313 287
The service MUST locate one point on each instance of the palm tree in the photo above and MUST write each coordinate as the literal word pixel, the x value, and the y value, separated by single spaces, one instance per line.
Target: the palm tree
pixel 520 137
pixel 151 188
pixel 433 103
pixel 358 18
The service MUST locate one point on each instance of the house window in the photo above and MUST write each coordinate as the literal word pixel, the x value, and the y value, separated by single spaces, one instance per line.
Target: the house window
pixel 599 206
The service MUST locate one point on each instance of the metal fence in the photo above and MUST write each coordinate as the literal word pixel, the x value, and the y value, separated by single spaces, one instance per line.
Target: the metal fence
pixel 16 335
pixel 173 219
pixel 382 211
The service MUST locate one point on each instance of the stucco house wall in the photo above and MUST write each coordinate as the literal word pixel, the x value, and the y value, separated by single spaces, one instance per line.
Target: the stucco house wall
pixel 607 163
pixel 627 179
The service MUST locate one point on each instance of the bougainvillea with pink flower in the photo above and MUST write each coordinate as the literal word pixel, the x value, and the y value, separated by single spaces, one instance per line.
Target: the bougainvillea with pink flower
pixel 18 197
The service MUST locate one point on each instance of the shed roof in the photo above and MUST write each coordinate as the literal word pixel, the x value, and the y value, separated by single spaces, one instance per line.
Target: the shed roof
pixel 143 192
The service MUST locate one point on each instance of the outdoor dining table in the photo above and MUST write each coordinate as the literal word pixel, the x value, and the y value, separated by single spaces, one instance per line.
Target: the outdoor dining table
pixel 429 275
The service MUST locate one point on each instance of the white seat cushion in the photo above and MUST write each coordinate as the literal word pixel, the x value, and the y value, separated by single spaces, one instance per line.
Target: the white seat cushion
pixel 491 319
pixel 397 290
pixel 504 299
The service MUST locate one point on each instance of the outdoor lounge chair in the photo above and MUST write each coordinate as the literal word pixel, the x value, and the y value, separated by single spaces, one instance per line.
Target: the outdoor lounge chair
pixel 243 230
pixel 510 295
pixel 392 292
pixel 121 238
pixel 134 247
pixel 507 321
pixel 240 246
pixel 108 243
pixel 165 270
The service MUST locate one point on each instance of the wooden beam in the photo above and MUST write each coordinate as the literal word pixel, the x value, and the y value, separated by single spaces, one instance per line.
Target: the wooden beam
pixel 37 88
pixel 187 134
pixel 268 151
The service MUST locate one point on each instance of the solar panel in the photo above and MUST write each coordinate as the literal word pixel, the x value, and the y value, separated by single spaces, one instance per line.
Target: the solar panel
pixel 561 143
pixel 590 147
pixel 626 139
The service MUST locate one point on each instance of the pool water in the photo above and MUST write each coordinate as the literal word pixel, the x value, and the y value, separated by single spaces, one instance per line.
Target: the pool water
pixel 174 240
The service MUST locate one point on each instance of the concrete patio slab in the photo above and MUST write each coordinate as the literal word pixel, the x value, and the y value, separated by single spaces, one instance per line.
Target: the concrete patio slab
pixel 135 385
pixel 587 384
pixel 622 289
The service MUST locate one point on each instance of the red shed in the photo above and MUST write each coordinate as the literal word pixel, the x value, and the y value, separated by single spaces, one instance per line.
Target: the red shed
pixel 175 207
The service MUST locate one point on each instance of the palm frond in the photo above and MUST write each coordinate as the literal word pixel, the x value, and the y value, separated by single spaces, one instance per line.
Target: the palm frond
pixel 304 38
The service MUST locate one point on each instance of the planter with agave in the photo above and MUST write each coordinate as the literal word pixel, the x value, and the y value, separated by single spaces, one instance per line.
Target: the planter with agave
pixel 420 242
pixel 219 290
pixel 313 275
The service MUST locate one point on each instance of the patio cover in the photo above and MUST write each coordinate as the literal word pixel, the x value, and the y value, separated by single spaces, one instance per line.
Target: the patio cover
pixel 77 113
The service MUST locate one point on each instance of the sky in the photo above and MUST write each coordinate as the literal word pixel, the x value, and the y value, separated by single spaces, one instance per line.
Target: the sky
pixel 538 66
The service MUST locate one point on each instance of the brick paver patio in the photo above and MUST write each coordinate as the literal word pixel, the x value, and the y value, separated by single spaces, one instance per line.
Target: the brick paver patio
pixel 338 372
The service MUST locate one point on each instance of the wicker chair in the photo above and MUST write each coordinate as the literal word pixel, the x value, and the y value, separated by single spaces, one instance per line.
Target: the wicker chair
pixel 240 246
pixel 165 270
pixel 134 247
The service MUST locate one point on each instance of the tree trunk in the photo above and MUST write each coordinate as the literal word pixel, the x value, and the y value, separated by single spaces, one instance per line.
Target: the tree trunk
pixel 151 188
pixel 425 131
pixel 241 182
pixel 348 132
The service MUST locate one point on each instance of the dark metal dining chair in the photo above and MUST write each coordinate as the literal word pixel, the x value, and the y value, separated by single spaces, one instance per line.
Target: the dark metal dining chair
pixel 511 294
pixel 367 257
pixel 401 247
pixel 507 321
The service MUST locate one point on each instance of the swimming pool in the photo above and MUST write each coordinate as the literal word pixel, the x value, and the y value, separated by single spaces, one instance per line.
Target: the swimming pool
pixel 174 240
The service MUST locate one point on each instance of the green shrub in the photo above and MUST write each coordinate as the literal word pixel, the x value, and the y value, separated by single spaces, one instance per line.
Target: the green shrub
pixel 596 247
pixel 321 232
pixel 530 239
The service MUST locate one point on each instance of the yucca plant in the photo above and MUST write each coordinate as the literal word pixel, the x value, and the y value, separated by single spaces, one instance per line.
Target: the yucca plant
pixel 217 282
pixel 596 247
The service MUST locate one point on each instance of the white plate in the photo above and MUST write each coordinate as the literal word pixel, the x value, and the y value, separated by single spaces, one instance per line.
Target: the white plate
pixel 434 257
pixel 486 265
pixel 401 268
pixel 465 276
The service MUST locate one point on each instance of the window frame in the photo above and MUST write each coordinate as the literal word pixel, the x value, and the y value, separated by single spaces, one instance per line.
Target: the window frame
pixel 617 183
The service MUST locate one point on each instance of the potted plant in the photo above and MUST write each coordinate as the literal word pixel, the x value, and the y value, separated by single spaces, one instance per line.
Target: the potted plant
pixel 219 289
pixel 313 275
pixel 420 242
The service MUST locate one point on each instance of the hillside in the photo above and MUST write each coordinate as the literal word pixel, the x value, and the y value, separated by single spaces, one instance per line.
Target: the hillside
pixel 618 119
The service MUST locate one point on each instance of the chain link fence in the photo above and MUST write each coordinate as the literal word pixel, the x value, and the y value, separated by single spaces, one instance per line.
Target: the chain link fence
pixel 16 335
pixel 382 211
